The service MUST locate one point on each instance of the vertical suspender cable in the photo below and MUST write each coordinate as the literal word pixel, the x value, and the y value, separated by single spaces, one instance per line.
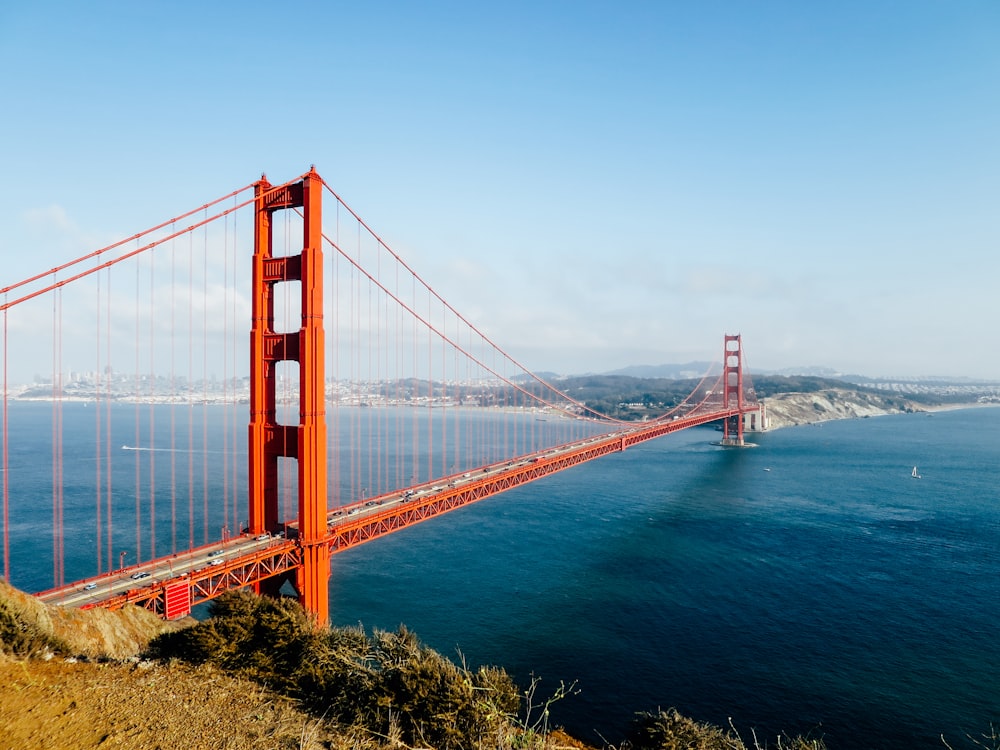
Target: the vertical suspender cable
pixel 397 334
pixel 356 373
pixel 55 465
pixel 334 443
pixel 6 461
pixel 225 377
pixel 430 393
pixel 375 328
pixel 97 440
pixel 353 376
pixel 233 452
pixel 109 373
pixel 190 390
pixel 138 439
pixel 374 459
pixel 446 468
pixel 173 390
pixel 62 485
pixel 152 407
pixel 415 430
pixel 57 445
pixel 204 377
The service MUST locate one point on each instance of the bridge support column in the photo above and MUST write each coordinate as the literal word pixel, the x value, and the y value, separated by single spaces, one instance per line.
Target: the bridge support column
pixel 732 390
pixel 306 442
pixel 313 580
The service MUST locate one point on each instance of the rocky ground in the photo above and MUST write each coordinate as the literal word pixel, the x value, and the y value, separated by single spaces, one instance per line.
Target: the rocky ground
pixel 788 409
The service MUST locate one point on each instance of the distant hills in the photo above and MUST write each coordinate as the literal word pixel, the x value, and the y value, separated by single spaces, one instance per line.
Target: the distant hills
pixel 674 372
pixel 699 369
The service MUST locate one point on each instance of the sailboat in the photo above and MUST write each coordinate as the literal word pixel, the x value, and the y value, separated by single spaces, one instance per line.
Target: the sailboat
pixel 914 473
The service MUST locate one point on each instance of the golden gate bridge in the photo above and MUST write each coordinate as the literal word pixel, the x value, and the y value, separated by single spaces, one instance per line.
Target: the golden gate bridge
pixel 188 458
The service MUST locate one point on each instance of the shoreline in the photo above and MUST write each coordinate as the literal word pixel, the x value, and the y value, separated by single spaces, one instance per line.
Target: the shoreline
pixel 796 409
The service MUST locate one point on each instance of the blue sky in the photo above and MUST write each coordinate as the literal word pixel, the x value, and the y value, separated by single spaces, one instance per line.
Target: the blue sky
pixel 594 185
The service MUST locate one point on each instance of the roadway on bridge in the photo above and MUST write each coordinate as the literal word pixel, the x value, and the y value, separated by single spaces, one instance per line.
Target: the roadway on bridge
pixel 97 589
pixel 201 563
pixel 94 590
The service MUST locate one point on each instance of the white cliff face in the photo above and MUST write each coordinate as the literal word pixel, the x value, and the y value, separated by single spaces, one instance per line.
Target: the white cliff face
pixel 787 409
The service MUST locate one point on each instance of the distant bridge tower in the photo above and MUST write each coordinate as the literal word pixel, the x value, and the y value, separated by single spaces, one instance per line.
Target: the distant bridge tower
pixel 732 390
pixel 305 441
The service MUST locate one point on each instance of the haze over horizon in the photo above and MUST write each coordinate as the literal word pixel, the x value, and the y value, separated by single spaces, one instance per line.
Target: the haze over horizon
pixel 593 185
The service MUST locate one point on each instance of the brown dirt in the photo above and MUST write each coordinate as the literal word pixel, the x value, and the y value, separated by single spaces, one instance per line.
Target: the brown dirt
pixel 60 705
pixel 95 633
pixel 55 704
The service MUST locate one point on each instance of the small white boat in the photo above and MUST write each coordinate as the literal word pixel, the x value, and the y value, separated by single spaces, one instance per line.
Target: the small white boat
pixel 914 473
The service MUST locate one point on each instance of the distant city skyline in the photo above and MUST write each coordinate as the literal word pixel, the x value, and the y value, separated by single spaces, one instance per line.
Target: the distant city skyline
pixel 593 186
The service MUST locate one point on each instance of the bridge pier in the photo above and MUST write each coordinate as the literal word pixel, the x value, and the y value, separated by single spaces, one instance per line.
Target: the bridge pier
pixel 732 432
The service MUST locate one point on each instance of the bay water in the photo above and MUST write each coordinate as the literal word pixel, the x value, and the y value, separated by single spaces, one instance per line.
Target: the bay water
pixel 808 585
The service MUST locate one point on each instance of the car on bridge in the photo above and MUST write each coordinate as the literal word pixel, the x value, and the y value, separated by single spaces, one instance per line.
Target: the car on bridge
pixel 139 576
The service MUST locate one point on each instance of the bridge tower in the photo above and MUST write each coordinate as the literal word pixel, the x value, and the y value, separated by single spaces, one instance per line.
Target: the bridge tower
pixel 732 390
pixel 306 441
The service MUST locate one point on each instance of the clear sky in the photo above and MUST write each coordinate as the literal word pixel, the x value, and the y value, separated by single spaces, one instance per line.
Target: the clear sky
pixel 593 184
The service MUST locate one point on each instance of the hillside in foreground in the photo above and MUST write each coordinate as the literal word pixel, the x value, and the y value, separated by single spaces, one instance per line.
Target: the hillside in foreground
pixel 142 705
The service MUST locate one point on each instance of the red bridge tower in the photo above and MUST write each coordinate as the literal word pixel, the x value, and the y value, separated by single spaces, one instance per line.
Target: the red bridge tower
pixel 732 390
pixel 305 441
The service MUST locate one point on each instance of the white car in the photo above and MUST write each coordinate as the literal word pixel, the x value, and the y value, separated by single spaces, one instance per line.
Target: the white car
pixel 139 576
pixel 90 587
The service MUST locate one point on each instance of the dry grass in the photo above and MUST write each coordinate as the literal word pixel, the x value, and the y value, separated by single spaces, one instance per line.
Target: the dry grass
pixel 37 627
pixel 55 704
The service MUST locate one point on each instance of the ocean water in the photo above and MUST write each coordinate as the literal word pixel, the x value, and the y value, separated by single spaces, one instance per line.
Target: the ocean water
pixel 806 585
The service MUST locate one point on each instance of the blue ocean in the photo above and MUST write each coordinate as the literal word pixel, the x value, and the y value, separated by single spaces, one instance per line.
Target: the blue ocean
pixel 808 585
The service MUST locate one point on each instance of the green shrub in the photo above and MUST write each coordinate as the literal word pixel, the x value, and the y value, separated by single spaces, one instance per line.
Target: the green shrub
pixel 389 684
pixel 669 730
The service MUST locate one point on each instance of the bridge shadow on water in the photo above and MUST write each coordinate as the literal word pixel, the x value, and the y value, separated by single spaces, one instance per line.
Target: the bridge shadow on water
pixel 578 577
pixel 807 585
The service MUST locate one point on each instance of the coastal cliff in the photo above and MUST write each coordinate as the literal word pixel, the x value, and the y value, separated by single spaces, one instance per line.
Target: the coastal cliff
pixel 789 409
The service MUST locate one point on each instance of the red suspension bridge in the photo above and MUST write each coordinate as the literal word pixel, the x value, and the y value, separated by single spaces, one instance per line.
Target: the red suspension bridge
pixel 168 457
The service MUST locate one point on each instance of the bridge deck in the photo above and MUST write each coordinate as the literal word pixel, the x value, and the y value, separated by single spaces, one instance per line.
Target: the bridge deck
pixel 207 571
